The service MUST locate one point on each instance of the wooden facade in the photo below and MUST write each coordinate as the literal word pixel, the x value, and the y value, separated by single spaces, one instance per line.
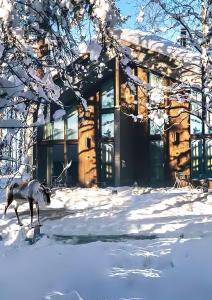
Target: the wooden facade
pixel 112 149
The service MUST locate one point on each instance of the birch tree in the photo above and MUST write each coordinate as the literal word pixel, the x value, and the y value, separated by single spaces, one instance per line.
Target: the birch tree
pixel 193 19
pixel 38 41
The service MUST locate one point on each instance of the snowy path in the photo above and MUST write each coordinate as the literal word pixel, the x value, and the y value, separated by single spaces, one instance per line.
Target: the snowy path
pixel 97 212
pixel 162 269
pixel 97 246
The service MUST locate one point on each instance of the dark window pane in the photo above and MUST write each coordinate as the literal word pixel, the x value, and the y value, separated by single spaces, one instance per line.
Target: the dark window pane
pixel 156 162
pixel 72 172
pixel 208 145
pixel 208 129
pixel 107 125
pixel 107 97
pixel 196 158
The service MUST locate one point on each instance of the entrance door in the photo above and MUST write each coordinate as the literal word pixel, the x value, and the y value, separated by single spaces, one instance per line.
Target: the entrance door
pixel 57 161
pixel 156 157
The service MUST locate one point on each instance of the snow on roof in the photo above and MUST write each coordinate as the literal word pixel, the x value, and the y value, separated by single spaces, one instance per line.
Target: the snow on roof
pixel 158 44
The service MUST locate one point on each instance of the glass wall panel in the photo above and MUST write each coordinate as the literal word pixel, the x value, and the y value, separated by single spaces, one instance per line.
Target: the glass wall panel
pixel 155 128
pixel 196 158
pixel 156 170
pixel 196 107
pixel 58 130
pixel 57 160
pixel 72 126
pixel 208 129
pixel 156 94
pixel 107 97
pixel 208 145
pixel 72 172
pixel 195 125
pixel 107 162
pixel 107 125
pixel 156 97
pixel 47 131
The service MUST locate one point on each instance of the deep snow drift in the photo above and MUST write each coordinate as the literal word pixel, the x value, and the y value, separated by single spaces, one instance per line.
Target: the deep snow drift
pixel 175 264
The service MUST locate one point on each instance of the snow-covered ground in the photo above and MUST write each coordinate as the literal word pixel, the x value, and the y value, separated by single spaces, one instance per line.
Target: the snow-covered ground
pixel 151 244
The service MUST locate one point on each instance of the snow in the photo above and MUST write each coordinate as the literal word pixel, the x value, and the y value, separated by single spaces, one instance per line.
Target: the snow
pixel 58 114
pixel 140 16
pixel 147 244
pixel 160 45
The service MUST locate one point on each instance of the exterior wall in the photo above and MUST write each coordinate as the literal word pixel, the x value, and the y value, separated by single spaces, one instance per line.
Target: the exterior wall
pixel 117 129
pixel 178 140
pixel 142 131
pixel 87 148
pixel 132 140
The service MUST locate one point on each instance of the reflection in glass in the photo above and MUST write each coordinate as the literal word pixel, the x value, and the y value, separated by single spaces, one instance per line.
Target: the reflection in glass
pixel 195 125
pixel 58 130
pixel 107 161
pixel 107 125
pixel 196 122
pixel 156 161
pixel 196 158
pixel 72 126
pixel 47 131
pixel 156 97
pixel 156 94
pixel 208 129
pixel 208 145
pixel 107 94
pixel 155 129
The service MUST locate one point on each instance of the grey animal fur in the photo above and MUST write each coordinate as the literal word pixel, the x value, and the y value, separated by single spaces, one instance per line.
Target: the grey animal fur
pixel 32 192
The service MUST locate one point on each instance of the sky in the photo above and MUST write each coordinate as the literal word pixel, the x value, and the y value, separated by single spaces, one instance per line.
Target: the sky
pixel 131 8
pixel 128 8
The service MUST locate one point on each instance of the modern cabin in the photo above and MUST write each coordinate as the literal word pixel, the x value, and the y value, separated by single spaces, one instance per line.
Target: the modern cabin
pixel 107 147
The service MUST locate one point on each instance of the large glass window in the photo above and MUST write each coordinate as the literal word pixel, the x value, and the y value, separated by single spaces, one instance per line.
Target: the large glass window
pixel 155 128
pixel 58 130
pixel 196 121
pixel 107 131
pixel 208 146
pixel 72 126
pixel 54 131
pixel 72 172
pixel 196 108
pixel 107 125
pixel 156 97
pixel 107 94
pixel 156 170
pixel 156 94
pixel 208 127
pixel 47 131
pixel 196 158
pixel 107 162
